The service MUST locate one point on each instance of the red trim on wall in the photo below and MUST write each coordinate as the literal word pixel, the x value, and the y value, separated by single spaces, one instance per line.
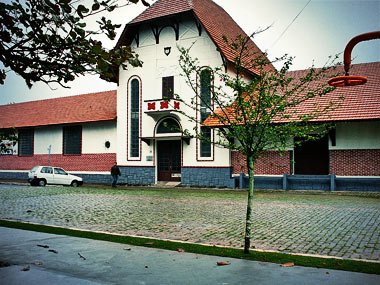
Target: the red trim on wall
pixel 140 118
pixel 197 118
pixel 84 162
pixel 174 117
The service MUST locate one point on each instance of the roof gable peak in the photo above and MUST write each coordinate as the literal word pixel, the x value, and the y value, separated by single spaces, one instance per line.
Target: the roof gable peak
pixel 162 8
pixel 215 20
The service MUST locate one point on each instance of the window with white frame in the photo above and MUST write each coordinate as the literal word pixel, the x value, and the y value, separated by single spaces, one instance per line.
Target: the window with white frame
pixel 205 85
pixel 134 128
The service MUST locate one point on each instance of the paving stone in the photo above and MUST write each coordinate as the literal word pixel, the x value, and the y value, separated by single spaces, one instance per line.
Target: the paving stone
pixel 327 224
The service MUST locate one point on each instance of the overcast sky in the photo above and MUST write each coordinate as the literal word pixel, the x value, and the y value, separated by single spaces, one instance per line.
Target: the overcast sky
pixel 323 28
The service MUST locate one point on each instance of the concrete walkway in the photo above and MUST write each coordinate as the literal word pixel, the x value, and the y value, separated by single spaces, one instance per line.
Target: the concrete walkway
pixel 39 258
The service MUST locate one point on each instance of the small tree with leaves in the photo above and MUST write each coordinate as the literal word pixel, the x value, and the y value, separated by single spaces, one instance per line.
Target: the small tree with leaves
pixel 254 113
pixel 50 41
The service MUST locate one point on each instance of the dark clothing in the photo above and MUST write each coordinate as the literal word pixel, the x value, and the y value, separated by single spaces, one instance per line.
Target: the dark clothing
pixel 115 170
pixel 115 173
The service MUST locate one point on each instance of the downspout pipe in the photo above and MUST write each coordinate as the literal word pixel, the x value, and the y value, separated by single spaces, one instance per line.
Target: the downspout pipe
pixel 351 80
pixel 352 43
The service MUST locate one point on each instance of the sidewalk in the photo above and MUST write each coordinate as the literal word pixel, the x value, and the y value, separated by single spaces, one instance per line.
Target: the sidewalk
pixel 69 260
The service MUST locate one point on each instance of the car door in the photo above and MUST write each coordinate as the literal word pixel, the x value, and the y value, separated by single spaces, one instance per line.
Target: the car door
pixel 61 176
pixel 47 173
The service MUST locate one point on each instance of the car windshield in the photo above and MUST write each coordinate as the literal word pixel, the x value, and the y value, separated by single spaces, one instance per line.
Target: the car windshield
pixel 59 171
pixel 34 169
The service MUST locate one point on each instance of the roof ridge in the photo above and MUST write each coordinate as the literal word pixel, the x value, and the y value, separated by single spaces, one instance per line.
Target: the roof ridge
pixel 61 97
pixel 223 25
pixel 150 7
pixel 183 5
pixel 90 107
pixel 354 65
pixel 361 102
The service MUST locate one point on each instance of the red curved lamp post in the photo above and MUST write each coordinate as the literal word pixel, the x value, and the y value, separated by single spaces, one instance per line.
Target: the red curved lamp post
pixel 351 80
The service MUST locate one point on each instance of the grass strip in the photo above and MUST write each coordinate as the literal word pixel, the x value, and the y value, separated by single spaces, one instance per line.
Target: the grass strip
pixel 273 257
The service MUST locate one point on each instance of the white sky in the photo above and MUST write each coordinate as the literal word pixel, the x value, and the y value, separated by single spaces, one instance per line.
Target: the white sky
pixel 322 29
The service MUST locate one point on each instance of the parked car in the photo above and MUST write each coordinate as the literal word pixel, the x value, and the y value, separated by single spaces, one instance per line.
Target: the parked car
pixel 42 175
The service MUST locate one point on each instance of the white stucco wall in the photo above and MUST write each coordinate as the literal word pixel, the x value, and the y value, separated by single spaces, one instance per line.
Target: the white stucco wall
pixel 44 137
pixel 94 136
pixel 155 66
pixel 357 135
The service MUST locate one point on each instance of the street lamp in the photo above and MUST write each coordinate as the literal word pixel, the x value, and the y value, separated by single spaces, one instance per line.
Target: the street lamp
pixel 351 80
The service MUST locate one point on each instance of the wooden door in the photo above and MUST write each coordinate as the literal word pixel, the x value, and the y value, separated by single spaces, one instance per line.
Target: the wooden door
pixel 169 160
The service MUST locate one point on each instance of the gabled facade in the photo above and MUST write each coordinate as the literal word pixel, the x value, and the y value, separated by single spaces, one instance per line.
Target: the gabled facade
pixel 152 145
pixel 141 125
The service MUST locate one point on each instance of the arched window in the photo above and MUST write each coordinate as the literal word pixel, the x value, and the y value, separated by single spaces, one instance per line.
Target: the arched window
pixel 205 85
pixel 134 149
pixel 168 125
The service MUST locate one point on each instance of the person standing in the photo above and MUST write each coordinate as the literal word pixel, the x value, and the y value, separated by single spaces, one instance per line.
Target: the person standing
pixel 115 173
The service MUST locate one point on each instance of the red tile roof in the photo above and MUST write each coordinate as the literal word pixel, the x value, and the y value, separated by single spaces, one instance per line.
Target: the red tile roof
pixel 92 107
pixel 361 102
pixel 216 21
pixel 163 8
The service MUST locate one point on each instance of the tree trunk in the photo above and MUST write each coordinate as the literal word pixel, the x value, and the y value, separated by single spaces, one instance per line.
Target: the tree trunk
pixel 248 220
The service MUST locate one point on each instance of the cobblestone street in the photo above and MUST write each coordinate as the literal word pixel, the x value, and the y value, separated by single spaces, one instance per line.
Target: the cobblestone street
pixel 323 224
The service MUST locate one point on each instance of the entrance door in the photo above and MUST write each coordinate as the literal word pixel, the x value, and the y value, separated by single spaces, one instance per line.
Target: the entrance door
pixel 169 160
pixel 312 157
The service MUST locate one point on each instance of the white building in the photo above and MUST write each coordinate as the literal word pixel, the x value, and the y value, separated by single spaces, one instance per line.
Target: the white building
pixel 148 146
pixel 142 127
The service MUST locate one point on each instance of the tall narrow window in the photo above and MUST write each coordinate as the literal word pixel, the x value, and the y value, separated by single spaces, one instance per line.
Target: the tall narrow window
pixel 205 147
pixel 205 90
pixel 26 142
pixel 168 88
pixel 205 109
pixel 72 140
pixel 134 150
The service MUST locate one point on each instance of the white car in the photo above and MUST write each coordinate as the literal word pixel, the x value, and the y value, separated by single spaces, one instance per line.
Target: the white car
pixel 42 175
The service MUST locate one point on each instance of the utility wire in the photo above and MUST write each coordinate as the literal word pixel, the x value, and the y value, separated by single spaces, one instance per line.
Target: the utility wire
pixel 295 18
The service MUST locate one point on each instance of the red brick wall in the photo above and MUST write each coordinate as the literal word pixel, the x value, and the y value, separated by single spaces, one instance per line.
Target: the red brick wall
pixel 84 162
pixel 270 163
pixel 355 162
pixel 342 162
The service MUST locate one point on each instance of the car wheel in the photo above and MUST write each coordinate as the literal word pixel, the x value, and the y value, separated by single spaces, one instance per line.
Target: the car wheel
pixel 74 183
pixel 42 182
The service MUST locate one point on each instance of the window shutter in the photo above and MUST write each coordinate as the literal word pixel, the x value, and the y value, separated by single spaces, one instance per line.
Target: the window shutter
pixel 72 140
pixel 26 142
